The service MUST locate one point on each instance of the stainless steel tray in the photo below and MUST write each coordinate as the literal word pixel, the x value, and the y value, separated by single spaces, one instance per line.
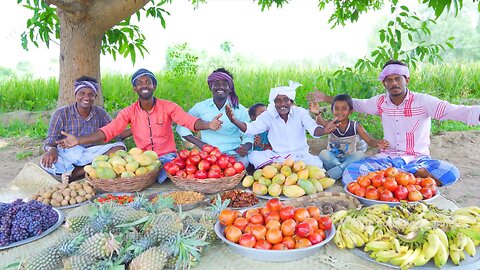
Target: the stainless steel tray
pixel 59 222
pixel 368 202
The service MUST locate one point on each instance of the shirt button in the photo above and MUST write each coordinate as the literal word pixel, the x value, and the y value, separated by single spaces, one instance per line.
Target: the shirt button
pixel 398 133
pixel 396 120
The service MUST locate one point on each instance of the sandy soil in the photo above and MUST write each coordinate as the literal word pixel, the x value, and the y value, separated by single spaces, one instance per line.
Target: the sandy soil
pixel 459 148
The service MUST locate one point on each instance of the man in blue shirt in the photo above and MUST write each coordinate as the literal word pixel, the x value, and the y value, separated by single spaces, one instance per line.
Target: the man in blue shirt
pixel 229 139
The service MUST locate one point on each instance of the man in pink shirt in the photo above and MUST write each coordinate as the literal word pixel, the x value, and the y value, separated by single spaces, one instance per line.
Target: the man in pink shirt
pixel 406 119
pixel 150 122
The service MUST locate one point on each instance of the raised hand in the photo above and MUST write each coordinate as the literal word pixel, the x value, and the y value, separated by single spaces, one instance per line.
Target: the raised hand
pixel 317 96
pixel 313 107
pixel 229 112
pixel 382 144
pixel 332 125
pixel 68 142
pixel 216 123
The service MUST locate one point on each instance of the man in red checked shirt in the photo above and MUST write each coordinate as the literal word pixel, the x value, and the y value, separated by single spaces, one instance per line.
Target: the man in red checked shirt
pixel 150 122
pixel 406 120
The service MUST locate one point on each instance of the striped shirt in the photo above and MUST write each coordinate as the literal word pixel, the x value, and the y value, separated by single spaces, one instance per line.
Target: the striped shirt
pixel 68 119
pixel 407 126
pixel 151 130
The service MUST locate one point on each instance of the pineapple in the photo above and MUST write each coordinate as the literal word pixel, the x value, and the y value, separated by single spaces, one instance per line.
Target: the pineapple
pixel 125 214
pixel 142 244
pixel 99 246
pixel 75 224
pixel 79 262
pixel 70 245
pixel 153 258
pixel 48 258
pixel 164 226
pixel 202 228
pixel 186 251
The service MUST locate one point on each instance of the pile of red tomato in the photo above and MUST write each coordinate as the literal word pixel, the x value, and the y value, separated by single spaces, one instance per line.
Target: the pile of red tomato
pixel 275 226
pixel 120 199
pixel 392 185
pixel 206 163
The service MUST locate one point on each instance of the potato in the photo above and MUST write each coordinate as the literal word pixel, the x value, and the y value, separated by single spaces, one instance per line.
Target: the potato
pixel 55 203
pixel 62 186
pixel 73 193
pixel 58 198
pixel 64 203
pixel 79 199
pixel 82 192
pixel 88 189
pixel 78 186
pixel 47 194
pixel 66 192
pixel 88 196
pixel 46 201
pixel 68 197
pixel 72 201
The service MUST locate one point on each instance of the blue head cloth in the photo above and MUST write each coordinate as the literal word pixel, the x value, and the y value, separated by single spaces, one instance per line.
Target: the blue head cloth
pixel 143 72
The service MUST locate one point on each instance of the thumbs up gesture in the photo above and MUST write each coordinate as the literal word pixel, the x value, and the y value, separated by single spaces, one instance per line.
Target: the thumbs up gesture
pixel 216 123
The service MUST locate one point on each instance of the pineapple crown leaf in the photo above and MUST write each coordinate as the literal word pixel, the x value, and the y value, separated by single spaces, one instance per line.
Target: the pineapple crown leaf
pixel 135 223
pixel 186 247
pixel 219 205
pixel 12 265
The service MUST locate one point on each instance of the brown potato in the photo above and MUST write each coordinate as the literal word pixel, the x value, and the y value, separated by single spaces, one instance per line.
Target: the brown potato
pixel 47 194
pixel 62 186
pixel 55 203
pixel 72 201
pixel 66 192
pixel 46 201
pixel 68 197
pixel 73 193
pixel 64 203
pixel 58 199
pixel 88 189
pixel 88 196
pixel 79 199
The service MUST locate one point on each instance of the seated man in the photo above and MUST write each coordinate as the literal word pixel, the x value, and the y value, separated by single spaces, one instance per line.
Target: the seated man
pixel 80 119
pixel 406 119
pixel 286 125
pixel 150 120
pixel 229 139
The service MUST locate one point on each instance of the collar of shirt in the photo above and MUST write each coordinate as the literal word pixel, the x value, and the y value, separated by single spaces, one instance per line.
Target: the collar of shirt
pixel 211 103
pixel 74 111
pixel 153 106
pixel 407 97
pixel 275 113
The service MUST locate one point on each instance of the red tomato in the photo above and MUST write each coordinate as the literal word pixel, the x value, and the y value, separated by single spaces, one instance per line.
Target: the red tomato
pixel 233 234
pixel 414 196
pixel 313 222
pixel 401 193
pixel 402 179
pixel 207 148
pixel 239 167
pixel 191 169
pixel 194 152
pixel 274 204
pixel 386 195
pixel 411 177
pixel 352 186
pixel 173 169
pixel 377 180
pixel 258 231
pixel 230 171
pixel 184 154
pixel 394 200
pixel 167 166
pixel 273 224
pixel 181 174
pixel 213 174
pixel 426 193
pixel 216 168
pixel 428 181
pixel 227 216
pixel 301 214
pixel 360 191
pixel 372 194
pixel 315 238
pixel 240 223
pixel 256 218
pixel 274 215
pixel 325 223
pixel 203 155
pixel 211 159
pixel 418 187
pixel 247 240
pixel 433 188
pixel 222 162
pixel 262 244
pixel 201 175
pixel 248 214
pixel 248 228
pixel 279 246
pixel 314 211
pixel 288 227
pixel 302 243
pixel 411 188
pixel 303 229
pixel 231 159
pixel 322 233
pixel 179 162
pixel 274 236
pixel 287 212
pixel 390 172
pixel 265 211
pixel 364 181
pixel 390 184
pixel 194 159
pixel 216 152
pixel 288 242
pixel 204 165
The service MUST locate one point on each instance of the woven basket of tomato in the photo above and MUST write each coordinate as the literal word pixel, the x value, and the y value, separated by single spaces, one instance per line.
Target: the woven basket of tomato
pixel 392 186
pixel 207 170
pixel 275 232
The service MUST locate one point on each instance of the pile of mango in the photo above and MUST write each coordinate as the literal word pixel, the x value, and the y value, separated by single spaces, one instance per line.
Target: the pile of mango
pixel 123 164
pixel 290 178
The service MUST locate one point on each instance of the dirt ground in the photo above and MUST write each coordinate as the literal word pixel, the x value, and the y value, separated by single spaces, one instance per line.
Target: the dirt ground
pixel 460 148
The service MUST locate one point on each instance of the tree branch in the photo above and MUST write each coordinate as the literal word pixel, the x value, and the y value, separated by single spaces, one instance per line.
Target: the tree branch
pixel 71 6
pixel 108 14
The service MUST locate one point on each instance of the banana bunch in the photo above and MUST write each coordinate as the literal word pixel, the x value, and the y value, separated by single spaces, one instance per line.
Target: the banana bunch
pixel 410 235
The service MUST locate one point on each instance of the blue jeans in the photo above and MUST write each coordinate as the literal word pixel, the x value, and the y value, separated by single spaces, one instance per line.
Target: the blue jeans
pixel 162 176
pixel 335 166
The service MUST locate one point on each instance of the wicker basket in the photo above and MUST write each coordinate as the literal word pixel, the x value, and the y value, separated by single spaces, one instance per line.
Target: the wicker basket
pixel 327 200
pixel 207 185
pixel 124 184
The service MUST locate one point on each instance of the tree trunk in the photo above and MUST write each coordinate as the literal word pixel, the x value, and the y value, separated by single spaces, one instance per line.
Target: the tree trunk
pixel 79 55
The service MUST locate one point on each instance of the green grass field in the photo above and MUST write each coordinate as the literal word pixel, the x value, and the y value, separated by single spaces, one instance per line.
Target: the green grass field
pixel 456 83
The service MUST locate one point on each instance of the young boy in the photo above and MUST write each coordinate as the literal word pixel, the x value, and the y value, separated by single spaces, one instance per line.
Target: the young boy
pixel 260 140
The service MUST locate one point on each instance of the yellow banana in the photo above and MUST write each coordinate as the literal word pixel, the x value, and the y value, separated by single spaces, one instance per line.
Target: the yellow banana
pixel 385 255
pixel 421 259
pixel 378 245
pixel 470 247
pixel 396 245
pixel 463 219
pixel 402 257
pixel 441 256
pixel 337 239
pixel 468 211
pixel 461 241
pixel 455 256
pixel 357 230
pixel 408 262
pixel 338 216
pixel 442 236
pixel 433 245
pixel 347 238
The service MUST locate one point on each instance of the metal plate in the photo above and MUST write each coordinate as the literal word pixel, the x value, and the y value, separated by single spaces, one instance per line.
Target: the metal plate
pixel 273 255
pixel 184 207
pixel 470 263
pixel 57 224
pixel 368 202
pixel 208 201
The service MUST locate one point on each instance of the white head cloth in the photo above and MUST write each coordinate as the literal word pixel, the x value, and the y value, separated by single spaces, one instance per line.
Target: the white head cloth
pixel 288 91
pixel 394 69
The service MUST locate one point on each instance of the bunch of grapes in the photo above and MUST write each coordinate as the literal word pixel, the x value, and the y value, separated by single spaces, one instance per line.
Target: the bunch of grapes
pixel 21 220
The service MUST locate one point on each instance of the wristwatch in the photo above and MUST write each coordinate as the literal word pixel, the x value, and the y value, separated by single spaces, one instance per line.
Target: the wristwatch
pixel 48 148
